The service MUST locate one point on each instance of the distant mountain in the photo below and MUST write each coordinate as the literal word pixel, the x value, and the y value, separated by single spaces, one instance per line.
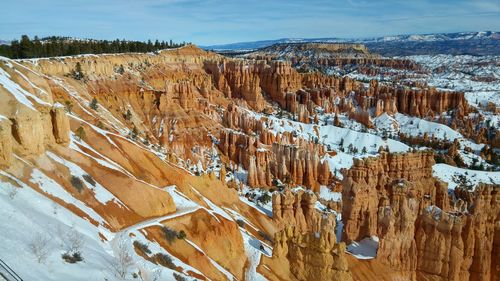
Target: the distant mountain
pixel 474 43
pixel 4 42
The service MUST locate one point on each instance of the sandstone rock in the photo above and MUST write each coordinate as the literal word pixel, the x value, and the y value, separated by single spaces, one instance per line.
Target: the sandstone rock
pixel 60 124
pixel 298 209
pixel 28 131
pixel 409 211
pixel 312 256
pixel 5 142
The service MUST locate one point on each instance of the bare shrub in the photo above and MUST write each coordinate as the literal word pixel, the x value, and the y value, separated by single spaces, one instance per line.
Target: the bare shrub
pixel 12 192
pixel 122 262
pixel 39 247
pixel 147 275
pixel 73 241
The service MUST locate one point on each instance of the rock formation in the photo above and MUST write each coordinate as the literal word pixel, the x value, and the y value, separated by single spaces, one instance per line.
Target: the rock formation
pixel 396 198
pixel 298 163
pixel 238 79
pixel 60 124
pixel 298 209
pixel 28 131
pixel 312 256
pixel 5 142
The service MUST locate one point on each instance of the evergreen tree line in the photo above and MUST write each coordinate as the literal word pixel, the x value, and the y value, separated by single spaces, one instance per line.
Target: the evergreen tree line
pixel 64 46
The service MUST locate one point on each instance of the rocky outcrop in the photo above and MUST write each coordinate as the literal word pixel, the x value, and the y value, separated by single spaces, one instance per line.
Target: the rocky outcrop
pixel 279 79
pixel 297 163
pixel 374 181
pixel 5 142
pixel 298 209
pixel 384 196
pixel 28 132
pixel 322 55
pixel 60 124
pixel 460 245
pixel 238 79
pixel 421 235
pixel 419 102
pixel 312 256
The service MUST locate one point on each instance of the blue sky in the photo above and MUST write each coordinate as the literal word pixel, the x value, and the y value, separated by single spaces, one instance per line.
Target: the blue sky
pixel 218 21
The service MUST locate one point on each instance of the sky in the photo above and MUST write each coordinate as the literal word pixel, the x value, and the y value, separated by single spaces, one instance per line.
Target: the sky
pixel 225 21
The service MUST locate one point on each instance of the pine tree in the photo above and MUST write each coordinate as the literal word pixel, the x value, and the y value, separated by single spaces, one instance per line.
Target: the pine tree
pixel 134 133
pixel 77 72
pixel 80 133
pixel 121 70
pixel 26 47
pixel 128 115
pixel 69 106
pixel 93 104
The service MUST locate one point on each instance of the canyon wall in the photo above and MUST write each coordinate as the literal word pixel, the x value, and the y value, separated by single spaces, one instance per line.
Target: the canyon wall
pixel 268 155
pixel 421 234
pixel 311 256
pixel 298 209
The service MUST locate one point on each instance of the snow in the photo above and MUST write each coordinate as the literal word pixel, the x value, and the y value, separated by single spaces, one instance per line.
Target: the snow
pixel 29 214
pixel 340 161
pixel 414 126
pixel 326 194
pixel 266 209
pixel 483 97
pixel 214 209
pixel 364 249
pixel 339 227
pixel 101 193
pixel 103 161
pixel 51 187
pixel 435 211
pixel 253 252
pixel 18 92
pixel 451 174
pixel 228 274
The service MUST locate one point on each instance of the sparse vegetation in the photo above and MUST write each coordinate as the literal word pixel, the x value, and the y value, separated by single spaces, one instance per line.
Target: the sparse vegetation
pixel 77 183
pixel 69 106
pixel 179 277
pixel 181 235
pixel 72 258
pixel 164 260
pixel 120 69
pixel 264 198
pixel 77 72
pixel 88 178
pixel 39 247
pixel 122 262
pixel 94 104
pixel 240 222
pixel 142 247
pixel 80 133
pixel 265 236
pixel 133 134
pixel 12 192
pixel 170 234
pixel 128 115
